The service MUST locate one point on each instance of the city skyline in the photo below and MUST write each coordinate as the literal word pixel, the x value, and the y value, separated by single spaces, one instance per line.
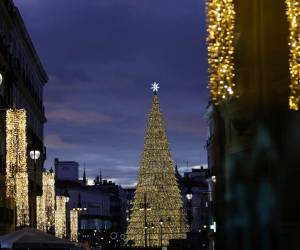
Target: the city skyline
pixel 101 58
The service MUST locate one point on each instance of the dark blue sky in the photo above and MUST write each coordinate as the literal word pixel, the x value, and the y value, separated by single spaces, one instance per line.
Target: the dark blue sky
pixel 101 57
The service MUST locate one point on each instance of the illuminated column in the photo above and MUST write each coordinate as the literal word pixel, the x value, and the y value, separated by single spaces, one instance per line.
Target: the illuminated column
pixel 221 24
pixel 40 213
pixel 293 14
pixel 49 198
pixel 16 163
pixel 74 225
pixel 22 199
pixel 46 203
pixel 60 217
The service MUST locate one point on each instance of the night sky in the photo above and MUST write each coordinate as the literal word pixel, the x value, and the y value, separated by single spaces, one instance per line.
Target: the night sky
pixel 101 57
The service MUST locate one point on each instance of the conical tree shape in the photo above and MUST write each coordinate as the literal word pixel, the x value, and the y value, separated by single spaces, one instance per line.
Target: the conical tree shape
pixel 157 214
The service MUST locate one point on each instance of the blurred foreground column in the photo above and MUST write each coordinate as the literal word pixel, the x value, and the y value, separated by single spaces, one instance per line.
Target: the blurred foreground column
pixel 254 142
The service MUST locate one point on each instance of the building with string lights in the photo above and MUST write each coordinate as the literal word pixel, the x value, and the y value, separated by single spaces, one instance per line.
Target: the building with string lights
pixel 22 79
pixel 253 144
pixel 100 202
pixel 195 196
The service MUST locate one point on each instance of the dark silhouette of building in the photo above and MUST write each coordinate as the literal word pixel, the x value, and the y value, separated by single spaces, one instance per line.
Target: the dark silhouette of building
pixel 22 82
pixel 254 144
pixel 197 208
pixel 103 204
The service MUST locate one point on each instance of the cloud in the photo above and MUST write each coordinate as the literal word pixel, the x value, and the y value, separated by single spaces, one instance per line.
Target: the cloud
pixel 186 125
pixel 55 142
pixel 78 117
pixel 100 71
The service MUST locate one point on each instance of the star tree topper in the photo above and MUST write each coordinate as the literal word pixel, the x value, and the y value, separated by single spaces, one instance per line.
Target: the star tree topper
pixel 155 87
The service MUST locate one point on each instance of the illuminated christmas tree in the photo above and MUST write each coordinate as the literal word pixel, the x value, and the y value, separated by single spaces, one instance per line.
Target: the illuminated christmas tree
pixel 157 213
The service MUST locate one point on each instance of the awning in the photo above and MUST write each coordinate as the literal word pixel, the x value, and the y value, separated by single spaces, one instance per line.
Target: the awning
pixel 33 238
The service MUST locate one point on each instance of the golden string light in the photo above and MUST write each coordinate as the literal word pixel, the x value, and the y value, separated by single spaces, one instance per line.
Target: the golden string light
pixel 16 163
pixel 74 225
pixel 293 14
pixel 22 204
pixel 157 196
pixel 221 24
pixel 49 198
pixel 46 203
pixel 60 217
pixel 40 213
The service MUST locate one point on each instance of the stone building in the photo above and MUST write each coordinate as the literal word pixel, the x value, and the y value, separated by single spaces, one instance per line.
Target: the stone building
pixel 22 81
pixel 197 208
pixel 103 204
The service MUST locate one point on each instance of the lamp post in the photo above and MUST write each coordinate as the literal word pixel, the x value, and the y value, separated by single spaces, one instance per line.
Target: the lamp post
pixel 161 222
pixel 67 195
pixel 151 227
pixel 34 155
pixel 189 197
pixel 1 78
pixel 79 209
pixel 145 207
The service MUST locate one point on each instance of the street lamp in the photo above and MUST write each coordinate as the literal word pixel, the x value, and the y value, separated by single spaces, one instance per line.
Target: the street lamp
pixel 161 222
pixel 145 207
pixel 78 210
pixel 189 194
pixel 1 78
pixel 189 197
pixel 79 207
pixel 34 155
pixel 67 195
pixel 151 227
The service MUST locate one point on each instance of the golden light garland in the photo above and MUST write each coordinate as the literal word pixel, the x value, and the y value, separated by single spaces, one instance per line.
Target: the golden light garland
pixel 157 195
pixel 74 225
pixel 16 163
pixel 40 213
pixel 221 24
pixel 46 203
pixel 49 198
pixel 293 14
pixel 60 217
pixel 16 146
pixel 22 204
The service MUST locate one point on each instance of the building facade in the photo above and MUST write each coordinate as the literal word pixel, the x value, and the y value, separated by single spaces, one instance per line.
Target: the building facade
pixel 23 79
pixel 102 204
pixel 195 183
pixel 66 170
